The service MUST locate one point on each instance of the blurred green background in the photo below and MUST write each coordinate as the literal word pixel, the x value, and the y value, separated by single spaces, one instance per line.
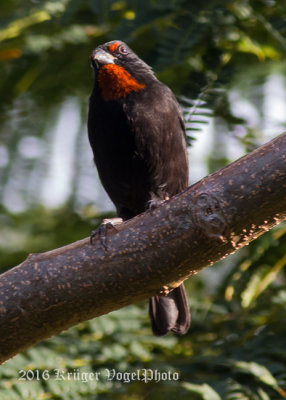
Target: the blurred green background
pixel 225 60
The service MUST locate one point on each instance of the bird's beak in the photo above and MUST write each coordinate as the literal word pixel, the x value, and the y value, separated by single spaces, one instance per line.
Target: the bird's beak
pixel 101 57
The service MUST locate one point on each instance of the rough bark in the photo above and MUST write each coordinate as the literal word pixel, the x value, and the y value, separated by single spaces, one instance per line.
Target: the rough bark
pixel 147 255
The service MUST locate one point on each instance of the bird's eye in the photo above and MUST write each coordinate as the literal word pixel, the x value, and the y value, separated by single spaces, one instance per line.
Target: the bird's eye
pixel 122 50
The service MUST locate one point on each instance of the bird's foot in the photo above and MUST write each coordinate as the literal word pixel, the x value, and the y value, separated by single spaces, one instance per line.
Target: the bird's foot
pixel 108 223
pixel 153 204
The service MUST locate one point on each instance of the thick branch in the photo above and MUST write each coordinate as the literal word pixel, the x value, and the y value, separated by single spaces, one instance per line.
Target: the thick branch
pixel 52 291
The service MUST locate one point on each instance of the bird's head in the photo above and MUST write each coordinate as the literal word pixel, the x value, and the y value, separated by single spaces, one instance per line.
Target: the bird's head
pixel 118 70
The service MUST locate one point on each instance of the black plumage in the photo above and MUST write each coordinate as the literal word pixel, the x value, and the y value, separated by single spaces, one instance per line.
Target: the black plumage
pixel 137 135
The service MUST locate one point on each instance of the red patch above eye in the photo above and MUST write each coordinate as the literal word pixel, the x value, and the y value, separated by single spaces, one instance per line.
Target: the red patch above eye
pixel 112 47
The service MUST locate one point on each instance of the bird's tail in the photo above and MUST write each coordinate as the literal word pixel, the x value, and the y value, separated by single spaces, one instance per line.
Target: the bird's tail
pixel 170 313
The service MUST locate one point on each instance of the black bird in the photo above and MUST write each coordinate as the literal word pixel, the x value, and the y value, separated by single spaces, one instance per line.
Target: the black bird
pixel 137 135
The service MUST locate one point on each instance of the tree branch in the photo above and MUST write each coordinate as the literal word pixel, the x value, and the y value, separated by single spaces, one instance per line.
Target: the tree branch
pixel 150 254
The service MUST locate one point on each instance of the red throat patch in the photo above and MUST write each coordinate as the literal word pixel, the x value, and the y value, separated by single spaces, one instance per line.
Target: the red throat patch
pixel 115 82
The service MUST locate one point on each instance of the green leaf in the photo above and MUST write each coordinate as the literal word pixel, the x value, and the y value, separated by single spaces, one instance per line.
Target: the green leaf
pixel 205 391
pixel 260 281
pixel 258 371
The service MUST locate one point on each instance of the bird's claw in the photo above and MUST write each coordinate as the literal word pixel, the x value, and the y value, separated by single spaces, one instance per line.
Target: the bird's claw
pixel 103 228
pixel 153 204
